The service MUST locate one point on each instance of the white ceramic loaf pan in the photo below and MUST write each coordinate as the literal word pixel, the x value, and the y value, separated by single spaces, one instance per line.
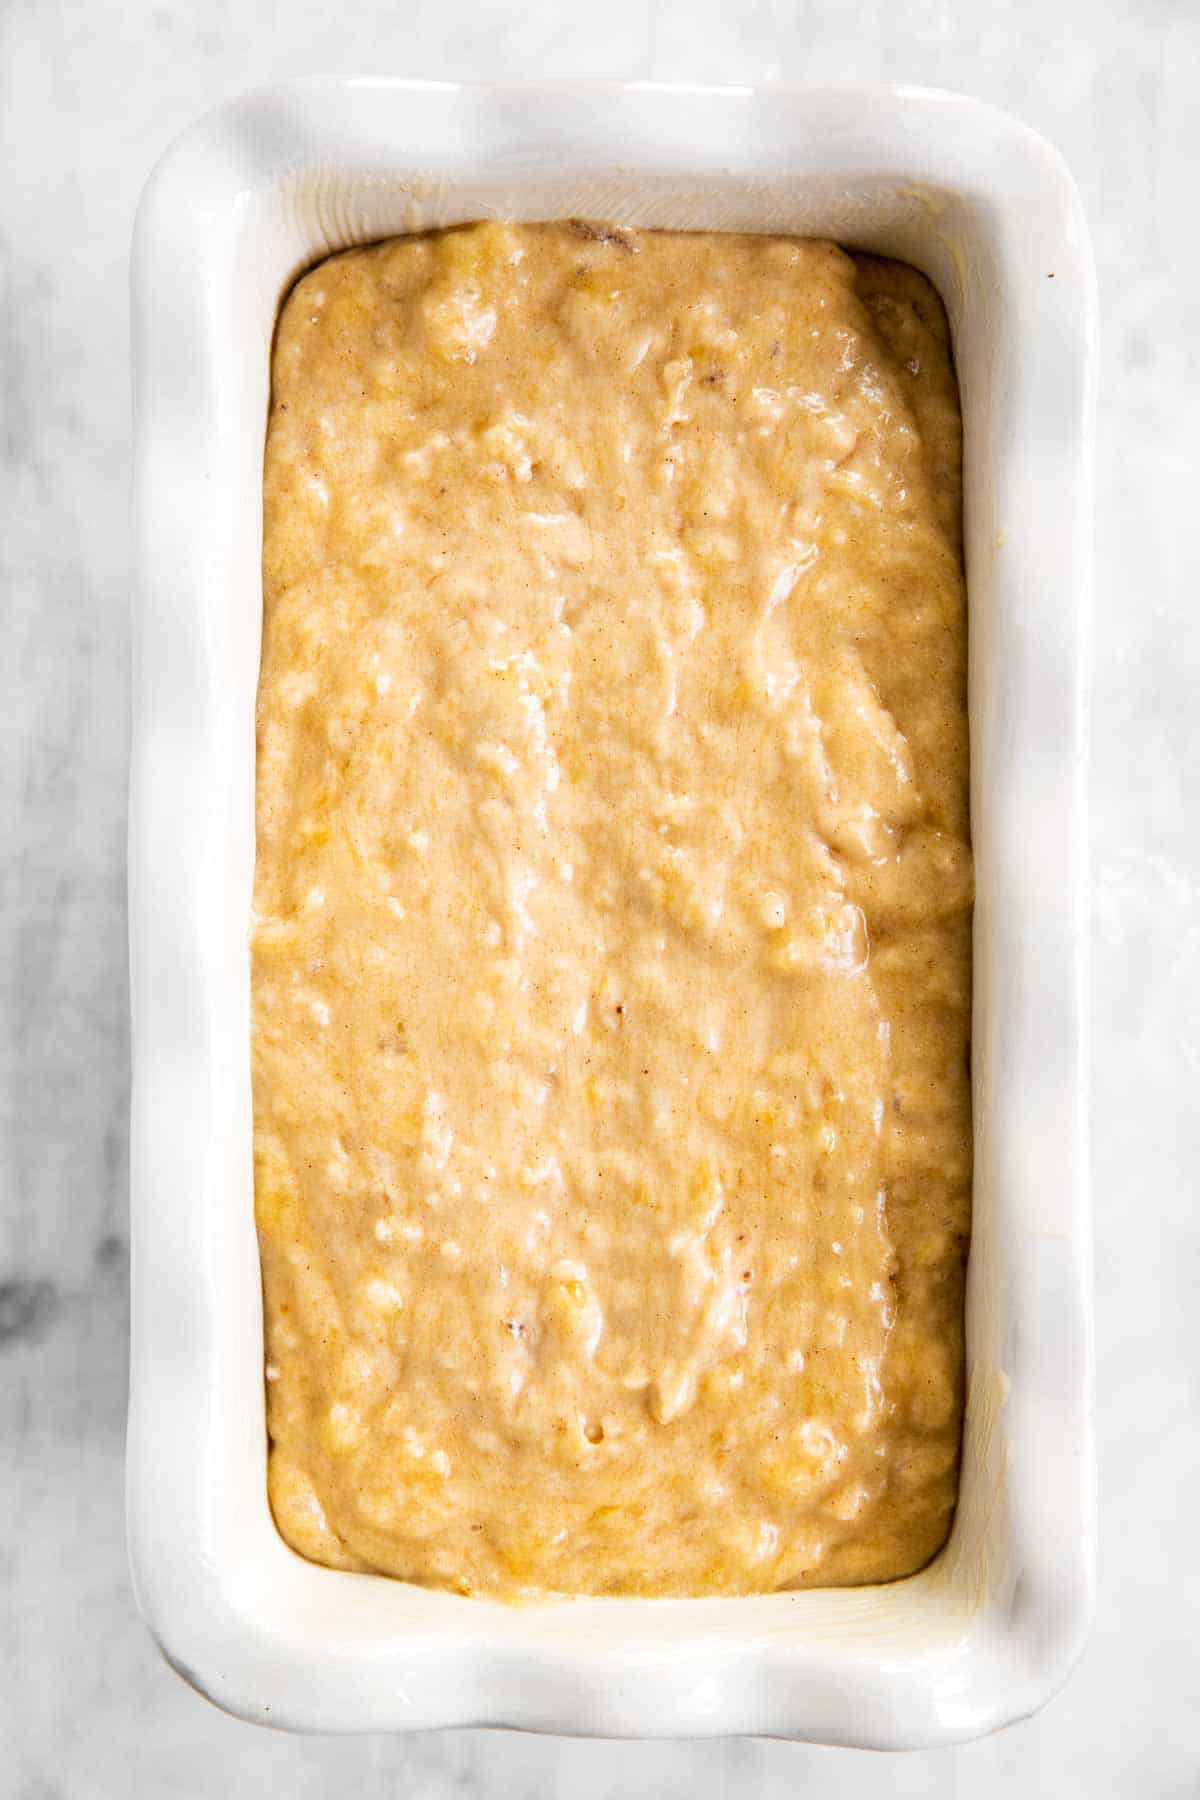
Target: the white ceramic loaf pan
pixel 241 204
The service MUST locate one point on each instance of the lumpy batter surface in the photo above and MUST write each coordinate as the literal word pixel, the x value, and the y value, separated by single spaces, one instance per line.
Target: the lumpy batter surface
pixel 611 964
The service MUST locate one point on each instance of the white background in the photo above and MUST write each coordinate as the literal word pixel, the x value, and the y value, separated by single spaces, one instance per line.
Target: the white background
pixel 90 94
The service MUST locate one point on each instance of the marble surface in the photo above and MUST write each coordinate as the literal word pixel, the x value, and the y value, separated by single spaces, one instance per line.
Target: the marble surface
pixel 89 96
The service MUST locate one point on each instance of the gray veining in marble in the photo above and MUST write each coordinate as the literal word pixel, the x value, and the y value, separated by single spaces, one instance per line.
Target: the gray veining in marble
pixel 89 96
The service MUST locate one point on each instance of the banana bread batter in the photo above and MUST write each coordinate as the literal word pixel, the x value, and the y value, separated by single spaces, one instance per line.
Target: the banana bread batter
pixel 611 963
